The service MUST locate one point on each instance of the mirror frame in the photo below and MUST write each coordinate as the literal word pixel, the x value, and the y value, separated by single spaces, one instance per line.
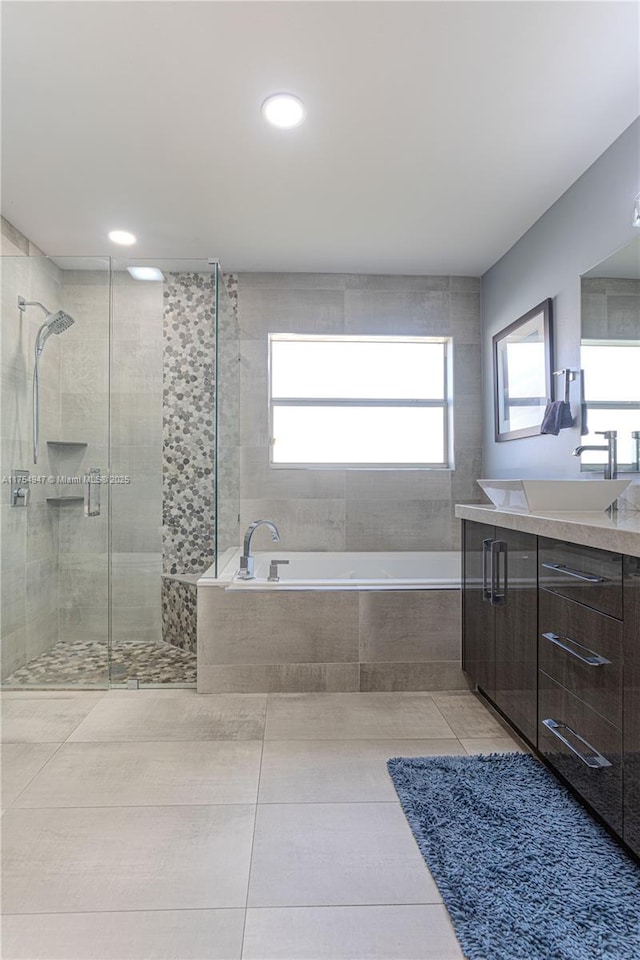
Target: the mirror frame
pixel 545 311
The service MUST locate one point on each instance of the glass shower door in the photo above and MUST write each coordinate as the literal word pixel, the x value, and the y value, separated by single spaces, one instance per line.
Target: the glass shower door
pixel 54 530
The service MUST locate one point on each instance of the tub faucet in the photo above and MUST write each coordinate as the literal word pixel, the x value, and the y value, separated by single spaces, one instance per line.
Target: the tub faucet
pixel 611 446
pixel 246 560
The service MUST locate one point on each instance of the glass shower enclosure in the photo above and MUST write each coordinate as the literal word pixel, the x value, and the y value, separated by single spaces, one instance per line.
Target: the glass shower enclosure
pixel 104 533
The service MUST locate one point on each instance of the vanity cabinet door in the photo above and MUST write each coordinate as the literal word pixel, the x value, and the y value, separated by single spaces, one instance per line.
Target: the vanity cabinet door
pixel 478 614
pixel 631 704
pixel 516 667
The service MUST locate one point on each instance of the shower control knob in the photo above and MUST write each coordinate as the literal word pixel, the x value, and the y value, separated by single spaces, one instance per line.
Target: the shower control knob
pixel 19 492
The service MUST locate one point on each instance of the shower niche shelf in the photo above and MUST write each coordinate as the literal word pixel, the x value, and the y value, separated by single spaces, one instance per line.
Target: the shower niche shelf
pixel 65 443
pixel 61 501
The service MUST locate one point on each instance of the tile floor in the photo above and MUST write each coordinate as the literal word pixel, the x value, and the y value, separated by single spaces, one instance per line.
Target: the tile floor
pixel 85 662
pixel 163 824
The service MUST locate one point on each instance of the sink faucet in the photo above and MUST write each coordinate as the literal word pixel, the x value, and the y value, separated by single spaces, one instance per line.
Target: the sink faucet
pixel 611 446
pixel 246 560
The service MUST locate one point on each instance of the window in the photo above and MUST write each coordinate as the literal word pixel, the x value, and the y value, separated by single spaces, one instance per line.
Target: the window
pixel 611 386
pixel 359 401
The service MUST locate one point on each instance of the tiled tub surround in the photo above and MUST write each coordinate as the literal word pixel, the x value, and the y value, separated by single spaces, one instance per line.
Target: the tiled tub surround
pixel 329 637
pixel 358 510
pixel 179 612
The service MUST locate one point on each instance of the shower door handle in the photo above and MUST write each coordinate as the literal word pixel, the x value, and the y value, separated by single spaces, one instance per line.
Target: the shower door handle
pixel 92 492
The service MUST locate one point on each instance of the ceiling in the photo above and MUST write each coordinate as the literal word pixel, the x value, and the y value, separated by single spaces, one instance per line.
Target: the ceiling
pixel 436 132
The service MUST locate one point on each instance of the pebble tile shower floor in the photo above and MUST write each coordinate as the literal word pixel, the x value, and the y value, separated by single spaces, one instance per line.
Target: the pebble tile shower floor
pixel 166 824
pixel 84 662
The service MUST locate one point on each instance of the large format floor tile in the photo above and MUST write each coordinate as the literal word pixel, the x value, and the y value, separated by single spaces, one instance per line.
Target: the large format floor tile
pixel 43 720
pixel 20 763
pixel 486 745
pixel 223 717
pixel 338 771
pixel 467 716
pixel 126 858
pixel 336 854
pixel 345 716
pixel 157 934
pixel 148 774
pixel 350 933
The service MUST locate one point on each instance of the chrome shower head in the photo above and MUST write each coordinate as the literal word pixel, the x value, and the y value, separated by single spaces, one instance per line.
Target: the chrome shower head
pixel 58 322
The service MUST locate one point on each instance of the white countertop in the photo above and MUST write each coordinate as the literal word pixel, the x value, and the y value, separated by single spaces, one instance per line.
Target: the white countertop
pixel 618 532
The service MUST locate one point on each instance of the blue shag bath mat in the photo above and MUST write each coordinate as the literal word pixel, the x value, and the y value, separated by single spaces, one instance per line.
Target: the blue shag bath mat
pixel 523 869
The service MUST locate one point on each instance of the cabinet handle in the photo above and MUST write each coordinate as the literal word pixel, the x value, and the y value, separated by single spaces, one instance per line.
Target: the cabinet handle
pixel 589 657
pixel 595 761
pixel 498 548
pixel 578 574
pixel 487 592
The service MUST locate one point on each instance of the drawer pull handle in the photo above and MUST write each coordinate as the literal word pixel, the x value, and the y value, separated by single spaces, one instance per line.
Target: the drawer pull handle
pixel 578 574
pixel 487 553
pixel 583 654
pixel 595 760
pixel 498 549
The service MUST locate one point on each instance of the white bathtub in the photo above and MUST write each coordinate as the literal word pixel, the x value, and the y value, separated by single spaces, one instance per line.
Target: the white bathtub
pixel 345 571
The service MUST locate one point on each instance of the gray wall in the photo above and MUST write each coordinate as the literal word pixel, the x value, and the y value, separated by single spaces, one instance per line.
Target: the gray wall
pixel 587 223
pixel 358 509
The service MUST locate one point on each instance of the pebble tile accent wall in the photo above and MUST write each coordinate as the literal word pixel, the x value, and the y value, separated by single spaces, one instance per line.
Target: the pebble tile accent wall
pixel 188 423
pixel 179 617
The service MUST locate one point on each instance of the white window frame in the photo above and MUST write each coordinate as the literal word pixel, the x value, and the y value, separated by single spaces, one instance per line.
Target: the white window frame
pixel 445 404
pixel 587 462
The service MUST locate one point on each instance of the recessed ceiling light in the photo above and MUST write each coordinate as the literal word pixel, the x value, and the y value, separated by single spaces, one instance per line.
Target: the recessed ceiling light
pixel 283 110
pixel 146 273
pixel 123 237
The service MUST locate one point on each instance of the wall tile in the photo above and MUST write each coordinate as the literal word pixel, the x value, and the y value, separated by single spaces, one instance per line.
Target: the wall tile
pixel 188 422
pixel 278 628
pixel 465 284
pixel 287 310
pixel 405 313
pixel 398 484
pixel 445 675
pixel 84 621
pixel 259 480
pixel 303 524
pixel 402 525
pixel 465 318
pixel 395 282
pixel 13 651
pixel 41 634
pixel 279 678
pixel 293 281
pixel 41 592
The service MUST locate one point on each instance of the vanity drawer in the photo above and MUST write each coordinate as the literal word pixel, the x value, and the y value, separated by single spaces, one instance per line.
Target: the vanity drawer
pixel 582 650
pixel 589 755
pixel 589 576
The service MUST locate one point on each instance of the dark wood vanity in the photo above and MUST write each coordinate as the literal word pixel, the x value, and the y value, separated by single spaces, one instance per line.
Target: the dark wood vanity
pixel 551 637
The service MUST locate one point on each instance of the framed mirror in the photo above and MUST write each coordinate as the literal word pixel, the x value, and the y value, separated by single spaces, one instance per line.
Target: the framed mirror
pixel 522 366
pixel 610 355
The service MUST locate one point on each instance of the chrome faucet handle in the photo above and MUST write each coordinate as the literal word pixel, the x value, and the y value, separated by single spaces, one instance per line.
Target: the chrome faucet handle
pixel 607 434
pixel 273 569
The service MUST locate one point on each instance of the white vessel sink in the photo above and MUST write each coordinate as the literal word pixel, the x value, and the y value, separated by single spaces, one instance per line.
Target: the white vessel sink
pixel 541 496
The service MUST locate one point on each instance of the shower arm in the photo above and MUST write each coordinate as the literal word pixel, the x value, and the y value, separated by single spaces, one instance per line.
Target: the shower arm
pixel 23 304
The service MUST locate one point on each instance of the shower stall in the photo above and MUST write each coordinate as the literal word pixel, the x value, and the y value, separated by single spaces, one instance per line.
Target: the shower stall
pixel 119 463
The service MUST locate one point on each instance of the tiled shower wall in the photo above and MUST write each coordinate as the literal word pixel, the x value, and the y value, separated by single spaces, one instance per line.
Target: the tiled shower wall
pixel 28 537
pixel 358 509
